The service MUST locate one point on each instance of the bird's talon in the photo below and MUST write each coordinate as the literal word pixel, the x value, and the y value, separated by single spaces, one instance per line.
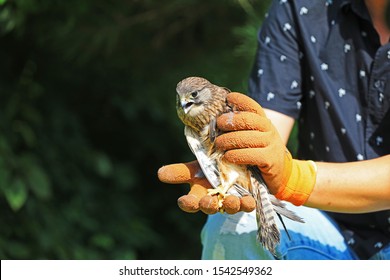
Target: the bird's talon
pixel 220 193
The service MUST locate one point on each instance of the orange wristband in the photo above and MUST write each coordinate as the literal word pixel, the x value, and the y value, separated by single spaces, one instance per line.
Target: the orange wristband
pixel 300 184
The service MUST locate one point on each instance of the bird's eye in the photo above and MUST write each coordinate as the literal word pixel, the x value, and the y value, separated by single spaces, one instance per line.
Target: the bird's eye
pixel 194 94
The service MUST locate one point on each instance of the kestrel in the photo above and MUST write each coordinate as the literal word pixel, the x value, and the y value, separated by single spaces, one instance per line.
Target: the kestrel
pixel 199 103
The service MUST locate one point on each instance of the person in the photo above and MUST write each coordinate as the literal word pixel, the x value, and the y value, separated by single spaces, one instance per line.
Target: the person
pixel 324 64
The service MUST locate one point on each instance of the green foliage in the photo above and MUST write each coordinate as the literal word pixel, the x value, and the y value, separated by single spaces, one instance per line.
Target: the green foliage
pixel 87 117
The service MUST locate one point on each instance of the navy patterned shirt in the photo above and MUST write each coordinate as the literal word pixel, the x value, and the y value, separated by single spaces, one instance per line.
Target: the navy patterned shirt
pixel 322 63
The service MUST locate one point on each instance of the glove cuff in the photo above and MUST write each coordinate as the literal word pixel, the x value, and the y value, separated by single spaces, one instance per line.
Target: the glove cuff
pixel 300 183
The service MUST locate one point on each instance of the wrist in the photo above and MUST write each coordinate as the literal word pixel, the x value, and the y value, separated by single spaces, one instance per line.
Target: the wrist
pixel 300 182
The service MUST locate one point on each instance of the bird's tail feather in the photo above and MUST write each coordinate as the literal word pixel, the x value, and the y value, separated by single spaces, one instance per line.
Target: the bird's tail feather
pixel 279 206
pixel 281 209
pixel 268 233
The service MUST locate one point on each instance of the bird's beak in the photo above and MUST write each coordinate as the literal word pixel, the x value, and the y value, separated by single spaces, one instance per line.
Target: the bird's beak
pixel 186 105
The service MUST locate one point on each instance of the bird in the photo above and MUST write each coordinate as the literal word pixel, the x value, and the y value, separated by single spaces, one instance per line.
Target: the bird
pixel 198 104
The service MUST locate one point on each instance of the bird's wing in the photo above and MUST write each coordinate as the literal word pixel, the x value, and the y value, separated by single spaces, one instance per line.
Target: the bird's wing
pixel 207 164
pixel 213 131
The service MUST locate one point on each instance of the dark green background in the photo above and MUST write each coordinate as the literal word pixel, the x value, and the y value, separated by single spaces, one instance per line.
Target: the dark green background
pixel 87 116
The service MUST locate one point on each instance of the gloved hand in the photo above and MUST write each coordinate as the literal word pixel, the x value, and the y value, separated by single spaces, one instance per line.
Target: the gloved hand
pixel 197 198
pixel 250 138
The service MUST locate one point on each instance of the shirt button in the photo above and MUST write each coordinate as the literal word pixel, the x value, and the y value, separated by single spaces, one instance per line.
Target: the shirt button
pixel 377 84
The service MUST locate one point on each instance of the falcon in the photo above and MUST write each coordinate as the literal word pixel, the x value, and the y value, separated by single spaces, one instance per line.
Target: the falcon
pixel 199 103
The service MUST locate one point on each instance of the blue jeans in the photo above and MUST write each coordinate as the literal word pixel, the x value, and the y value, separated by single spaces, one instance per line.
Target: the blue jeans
pixel 383 254
pixel 234 237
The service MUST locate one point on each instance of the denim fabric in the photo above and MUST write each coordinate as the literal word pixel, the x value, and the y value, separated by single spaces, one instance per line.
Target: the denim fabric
pixel 234 237
pixel 383 254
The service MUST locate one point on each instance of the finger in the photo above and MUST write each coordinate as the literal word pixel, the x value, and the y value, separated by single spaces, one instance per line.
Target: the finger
pixel 242 102
pixel 243 121
pixel 242 139
pixel 253 156
pixel 188 203
pixel 231 204
pixel 247 204
pixel 178 173
pixel 209 204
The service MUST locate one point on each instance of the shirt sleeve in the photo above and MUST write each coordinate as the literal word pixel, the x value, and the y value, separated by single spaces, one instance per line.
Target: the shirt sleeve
pixel 275 80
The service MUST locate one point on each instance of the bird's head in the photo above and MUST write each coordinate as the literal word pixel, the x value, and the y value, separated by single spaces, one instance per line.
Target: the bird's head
pixel 193 95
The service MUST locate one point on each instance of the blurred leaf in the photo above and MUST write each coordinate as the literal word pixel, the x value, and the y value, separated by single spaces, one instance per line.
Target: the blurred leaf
pixel 4 176
pixel 17 249
pixel 4 147
pixel 103 165
pixel 25 131
pixel 38 182
pixel 16 194
pixel 102 240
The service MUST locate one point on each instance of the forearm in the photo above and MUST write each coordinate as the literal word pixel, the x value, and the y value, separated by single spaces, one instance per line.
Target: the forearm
pixel 353 187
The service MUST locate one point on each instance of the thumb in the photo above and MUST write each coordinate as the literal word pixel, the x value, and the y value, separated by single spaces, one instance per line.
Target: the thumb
pixel 242 102
pixel 179 173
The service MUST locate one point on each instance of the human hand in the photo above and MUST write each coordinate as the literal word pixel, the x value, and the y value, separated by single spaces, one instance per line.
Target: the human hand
pixel 197 198
pixel 250 138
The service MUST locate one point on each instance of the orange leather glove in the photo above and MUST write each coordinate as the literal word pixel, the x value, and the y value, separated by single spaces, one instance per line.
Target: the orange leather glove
pixel 197 198
pixel 250 138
